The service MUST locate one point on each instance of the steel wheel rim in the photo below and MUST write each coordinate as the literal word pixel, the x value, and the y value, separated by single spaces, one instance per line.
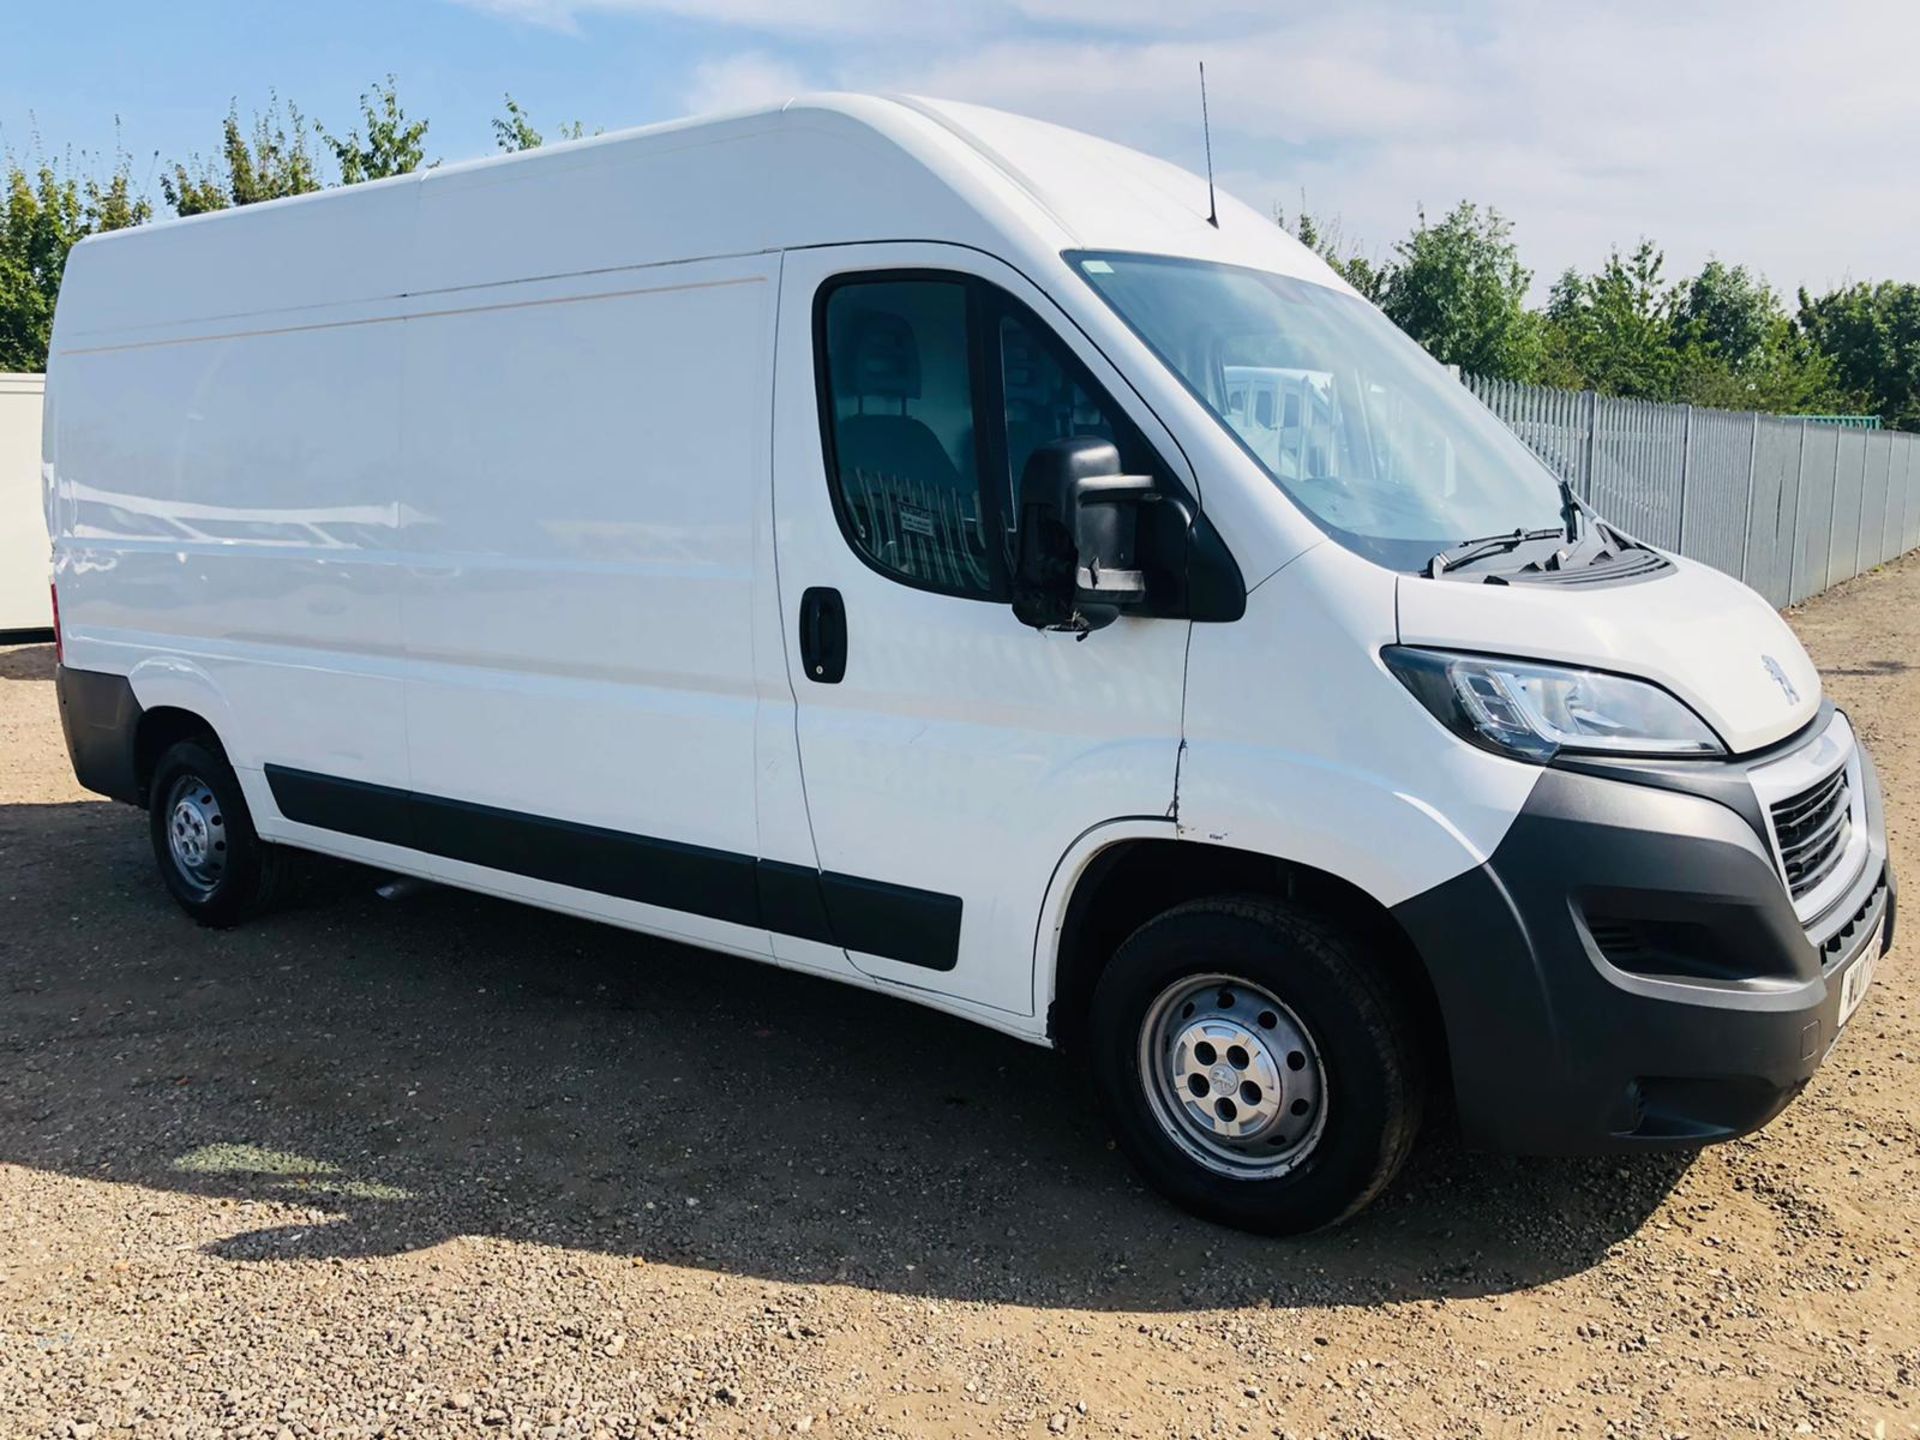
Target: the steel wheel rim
pixel 1233 1076
pixel 196 835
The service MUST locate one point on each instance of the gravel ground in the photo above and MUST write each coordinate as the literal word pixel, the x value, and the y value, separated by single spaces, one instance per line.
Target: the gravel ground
pixel 439 1165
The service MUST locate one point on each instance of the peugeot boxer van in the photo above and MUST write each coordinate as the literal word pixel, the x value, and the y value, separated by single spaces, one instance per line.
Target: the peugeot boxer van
pixel 919 546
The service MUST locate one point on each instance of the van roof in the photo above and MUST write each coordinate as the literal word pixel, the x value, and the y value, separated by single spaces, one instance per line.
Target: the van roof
pixel 816 170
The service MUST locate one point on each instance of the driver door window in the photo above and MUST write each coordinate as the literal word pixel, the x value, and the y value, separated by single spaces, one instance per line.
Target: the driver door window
pixel 935 391
pixel 899 389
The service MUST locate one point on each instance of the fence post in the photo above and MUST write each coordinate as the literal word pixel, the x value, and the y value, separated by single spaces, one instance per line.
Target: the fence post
pixel 1833 511
pixel 1860 524
pixel 1910 478
pixel 1746 530
pixel 1593 428
pixel 1799 506
pixel 1686 465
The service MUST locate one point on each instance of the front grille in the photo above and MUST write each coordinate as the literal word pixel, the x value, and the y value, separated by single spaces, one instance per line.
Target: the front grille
pixel 1812 830
pixel 1838 944
pixel 1619 941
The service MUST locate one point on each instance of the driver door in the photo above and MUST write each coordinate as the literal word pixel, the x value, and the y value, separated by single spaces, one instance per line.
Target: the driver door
pixel 951 755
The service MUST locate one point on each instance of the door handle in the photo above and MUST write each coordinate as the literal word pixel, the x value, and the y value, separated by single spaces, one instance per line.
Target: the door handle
pixel 823 635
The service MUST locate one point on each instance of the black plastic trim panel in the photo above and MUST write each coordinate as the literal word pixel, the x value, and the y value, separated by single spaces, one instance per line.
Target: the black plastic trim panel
pixel 99 717
pixel 871 917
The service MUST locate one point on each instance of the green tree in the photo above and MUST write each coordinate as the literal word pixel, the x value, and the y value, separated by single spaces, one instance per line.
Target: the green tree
pixel 1613 331
pixel 44 213
pixel 1719 338
pixel 514 131
pixel 1726 309
pixel 1872 334
pixel 1459 288
pixel 392 145
pixel 1735 347
pixel 1784 373
pixel 273 161
pixel 1327 240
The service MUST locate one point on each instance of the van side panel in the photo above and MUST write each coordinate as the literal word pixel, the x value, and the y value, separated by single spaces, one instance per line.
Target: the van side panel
pixel 582 463
pixel 300 259
pixel 229 512
pixel 727 187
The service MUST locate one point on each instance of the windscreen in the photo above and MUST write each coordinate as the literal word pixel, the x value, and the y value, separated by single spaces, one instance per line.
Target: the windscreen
pixel 1386 451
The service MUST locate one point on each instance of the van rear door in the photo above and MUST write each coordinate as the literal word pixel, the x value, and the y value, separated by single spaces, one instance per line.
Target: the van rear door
pixel 951 755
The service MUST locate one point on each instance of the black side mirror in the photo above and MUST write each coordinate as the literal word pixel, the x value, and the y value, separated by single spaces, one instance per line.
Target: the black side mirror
pixel 1075 566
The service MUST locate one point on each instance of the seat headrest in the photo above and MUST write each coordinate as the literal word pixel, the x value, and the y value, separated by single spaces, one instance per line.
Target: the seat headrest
pixel 881 355
pixel 1024 373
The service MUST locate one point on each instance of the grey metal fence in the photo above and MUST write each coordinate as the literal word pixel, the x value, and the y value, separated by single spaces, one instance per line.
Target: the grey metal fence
pixel 1789 505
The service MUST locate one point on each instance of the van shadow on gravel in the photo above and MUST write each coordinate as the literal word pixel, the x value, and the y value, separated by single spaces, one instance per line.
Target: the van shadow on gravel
pixel 404 1071
pixel 24 662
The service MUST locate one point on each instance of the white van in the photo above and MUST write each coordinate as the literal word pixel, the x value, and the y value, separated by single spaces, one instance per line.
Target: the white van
pixel 823 535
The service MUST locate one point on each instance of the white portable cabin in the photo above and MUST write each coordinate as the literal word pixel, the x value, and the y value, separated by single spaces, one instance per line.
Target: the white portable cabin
pixel 23 517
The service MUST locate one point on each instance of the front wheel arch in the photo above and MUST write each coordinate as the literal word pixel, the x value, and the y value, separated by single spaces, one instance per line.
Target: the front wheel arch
pixel 1134 879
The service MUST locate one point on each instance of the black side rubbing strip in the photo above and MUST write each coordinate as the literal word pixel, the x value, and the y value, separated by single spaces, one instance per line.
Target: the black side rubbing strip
pixel 895 922
pixel 714 883
pixel 353 807
pixel 791 902
pixel 917 927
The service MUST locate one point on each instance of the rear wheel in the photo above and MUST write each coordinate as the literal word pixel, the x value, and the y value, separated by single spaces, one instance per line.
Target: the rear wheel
pixel 211 859
pixel 1256 1064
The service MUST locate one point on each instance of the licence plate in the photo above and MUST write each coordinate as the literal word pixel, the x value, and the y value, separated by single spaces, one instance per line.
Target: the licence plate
pixel 1853 984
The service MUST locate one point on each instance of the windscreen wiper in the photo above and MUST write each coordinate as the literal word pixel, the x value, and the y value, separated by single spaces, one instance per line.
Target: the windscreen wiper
pixel 1470 550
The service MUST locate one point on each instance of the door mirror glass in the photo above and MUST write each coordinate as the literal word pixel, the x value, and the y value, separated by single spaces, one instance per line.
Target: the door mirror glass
pixel 1076 564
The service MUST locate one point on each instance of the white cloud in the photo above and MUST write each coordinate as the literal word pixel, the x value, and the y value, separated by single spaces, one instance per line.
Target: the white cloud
pixel 1215 17
pixel 780 17
pixel 1774 133
pixel 736 82
pixel 1768 132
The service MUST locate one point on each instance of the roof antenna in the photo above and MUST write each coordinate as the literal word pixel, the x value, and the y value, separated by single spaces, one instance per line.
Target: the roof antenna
pixel 1206 131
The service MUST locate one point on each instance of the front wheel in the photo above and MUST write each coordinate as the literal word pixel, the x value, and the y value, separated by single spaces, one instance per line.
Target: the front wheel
pixel 1256 1064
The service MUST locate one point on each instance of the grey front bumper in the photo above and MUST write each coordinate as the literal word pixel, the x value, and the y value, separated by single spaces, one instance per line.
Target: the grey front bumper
pixel 1627 970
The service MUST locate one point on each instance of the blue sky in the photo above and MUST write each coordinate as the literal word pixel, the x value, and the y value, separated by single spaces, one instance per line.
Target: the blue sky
pixel 1770 132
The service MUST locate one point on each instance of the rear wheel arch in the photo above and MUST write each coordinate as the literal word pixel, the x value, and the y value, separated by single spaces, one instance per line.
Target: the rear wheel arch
pixel 1134 880
pixel 158 731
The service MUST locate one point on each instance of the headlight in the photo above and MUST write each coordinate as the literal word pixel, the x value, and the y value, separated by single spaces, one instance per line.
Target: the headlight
pixel 1534 711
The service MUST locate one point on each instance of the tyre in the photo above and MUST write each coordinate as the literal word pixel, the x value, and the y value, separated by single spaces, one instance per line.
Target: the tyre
pixel 1255 1064
pixel 211 860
